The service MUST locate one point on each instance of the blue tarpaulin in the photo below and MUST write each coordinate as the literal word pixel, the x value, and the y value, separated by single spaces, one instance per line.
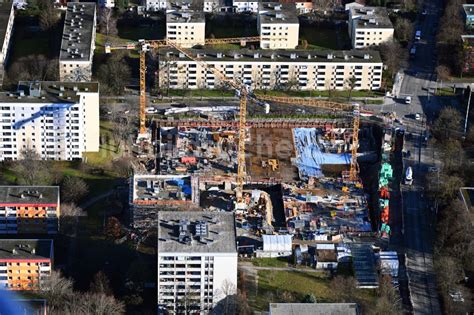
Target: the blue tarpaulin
pixel 309 156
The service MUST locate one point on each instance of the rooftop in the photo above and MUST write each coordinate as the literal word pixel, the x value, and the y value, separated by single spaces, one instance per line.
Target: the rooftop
pixel 48 92
pixel 78 31
pixel 314 308
pixel 26 249
pixel 278 13
pixel 182 14
pixel 278 55
pixel 371 17
pixel 29 194
pixel 196 232
pixel 468 9
pixel 5 9
pixel 161 189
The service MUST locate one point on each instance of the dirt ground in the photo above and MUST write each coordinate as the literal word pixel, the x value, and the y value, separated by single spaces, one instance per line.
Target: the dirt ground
pixel 271 144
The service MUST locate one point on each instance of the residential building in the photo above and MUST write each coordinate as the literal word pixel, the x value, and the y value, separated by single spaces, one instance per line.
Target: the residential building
pixel 185 26
pixel 211 6
pixel 78 42
pixel 59 120
pixel 468 12
pixel 314 308
pixel 302 6
pixel 197 260
pixel 7 16
pixel 107 3
pixel 25 264
pixel 353 5
pixel 29 209
pixel 369 26
pixel 241 6
pixel 278 25
pixel 263 69
pixel 155 5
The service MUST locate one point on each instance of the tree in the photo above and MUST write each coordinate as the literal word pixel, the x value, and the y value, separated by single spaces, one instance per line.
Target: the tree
pixel 49 17
pixel 443 72
pixel 113 229
pixel 344 288
pixel 56 288
pixel 403 30
pixel 453 155
pixel 123 166
pixel 448 125
pixel 443 188
pixel 107 22
pixel 393 56
pixel 114 75
pixel 388 301
pixel 309 298
pixel 34 67
pixel 101 284
pixel 73 189
pixel 351 83
pixel 69 217
pixel 31 170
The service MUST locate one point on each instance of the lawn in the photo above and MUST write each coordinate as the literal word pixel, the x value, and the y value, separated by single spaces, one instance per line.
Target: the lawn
pixel 231 26
pixel 322 36
pixel 324 93
pixel 201 93
pixel 108 150
pixel 29 39
pixel 270 262
pixel 136 28
pixel 271 284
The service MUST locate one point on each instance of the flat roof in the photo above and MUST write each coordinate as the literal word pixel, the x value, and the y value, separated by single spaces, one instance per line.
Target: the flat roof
pixel 314 308
pixel 219 239
pixel 29 194
pixel 371 17
pixel 5 9
pixel 178 15
pixel 78 31
pixel 277 13
pixel 48 92
pixel 151 189
pixel 12 249
pixel 468 9
pixel 243 55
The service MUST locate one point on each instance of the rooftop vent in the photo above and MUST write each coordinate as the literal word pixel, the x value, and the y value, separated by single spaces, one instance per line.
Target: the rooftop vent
pixel 219 55
pixel 293 56
pixel 366 56
pixel 279 15
pixel 256 55
pixel 330 56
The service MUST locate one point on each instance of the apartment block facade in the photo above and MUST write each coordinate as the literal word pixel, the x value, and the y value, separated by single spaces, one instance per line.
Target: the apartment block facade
pixel 29 209
pixel 58 120
pixel 25 264
pixel 185 26
pixel 278 25
pixel 78 42
pixel 154 5
pixel 7 16
pixel 369 26
pixel 197 260
pixel 297 70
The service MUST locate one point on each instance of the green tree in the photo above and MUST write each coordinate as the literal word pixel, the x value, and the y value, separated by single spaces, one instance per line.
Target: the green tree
pixel 448 125
pixel 309 298
pixel 403 30
pixel 351 83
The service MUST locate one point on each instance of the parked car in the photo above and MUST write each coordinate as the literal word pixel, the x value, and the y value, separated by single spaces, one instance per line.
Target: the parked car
pixel 408 100
pixel 417 116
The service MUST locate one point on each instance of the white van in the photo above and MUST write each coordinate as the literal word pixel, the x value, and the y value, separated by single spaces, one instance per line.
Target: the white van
pixel 418 35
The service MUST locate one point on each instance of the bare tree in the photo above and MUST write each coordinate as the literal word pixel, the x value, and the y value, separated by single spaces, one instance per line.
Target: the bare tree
pixel 34 67
pixel 73 189
pixel 443 73
pixel 56 288
pixel 351 83
pixel 114 75
pixel 448 125
pixel 393 56
pixel 101 284
pixel 388 301
pixel 107 22
pixel 403 30
pixel 344 288
pixel 49 17
pixel 31 170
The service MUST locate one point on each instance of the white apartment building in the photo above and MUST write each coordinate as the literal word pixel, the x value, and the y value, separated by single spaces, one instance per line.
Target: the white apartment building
pixel 107 3
pixel 264 69
pixel 369 26
pixel 7 16
pixel 185 26
pixel 155 5
pixel 277 25
pixel 241 6
pixel 211 6
pixel 78 42
pixel 60 120
pixel 197 260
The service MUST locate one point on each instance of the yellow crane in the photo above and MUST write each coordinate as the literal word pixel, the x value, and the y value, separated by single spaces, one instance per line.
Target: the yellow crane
pixel 146 45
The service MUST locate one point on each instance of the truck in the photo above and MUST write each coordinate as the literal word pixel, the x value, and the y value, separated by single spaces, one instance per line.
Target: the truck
pixel 409 176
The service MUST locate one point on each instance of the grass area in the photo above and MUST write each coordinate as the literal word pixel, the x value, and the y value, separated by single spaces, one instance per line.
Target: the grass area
pixel 321 36
pixel 28 39
pixel 274 283
pixel 231 26
pixel 446 91
pixel 201 93
pixel 325 93
pixel 270 262
pixel 108 150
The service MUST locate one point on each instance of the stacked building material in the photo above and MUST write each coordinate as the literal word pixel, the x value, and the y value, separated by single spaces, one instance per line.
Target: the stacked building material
pixel 386 174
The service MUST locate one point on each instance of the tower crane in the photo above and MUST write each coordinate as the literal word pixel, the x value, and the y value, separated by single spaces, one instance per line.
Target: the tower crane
pixel 146 45
pixel 246 94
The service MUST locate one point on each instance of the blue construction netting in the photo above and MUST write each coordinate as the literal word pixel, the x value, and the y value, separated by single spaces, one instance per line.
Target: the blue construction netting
pixel 309 156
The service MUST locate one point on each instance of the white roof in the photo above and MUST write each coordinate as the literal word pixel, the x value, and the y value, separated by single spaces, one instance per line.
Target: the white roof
pixel 276 243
